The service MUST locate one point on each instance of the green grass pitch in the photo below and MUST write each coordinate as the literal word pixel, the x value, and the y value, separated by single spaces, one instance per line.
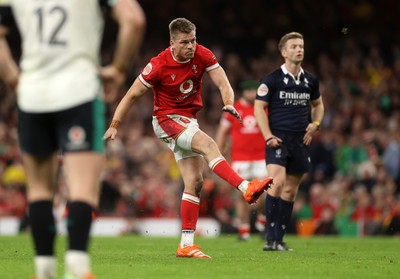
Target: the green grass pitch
pixel 131 257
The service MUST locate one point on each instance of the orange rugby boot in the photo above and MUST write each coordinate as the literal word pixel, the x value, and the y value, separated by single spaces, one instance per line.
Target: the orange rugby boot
pixel 191 252
pixel 256 188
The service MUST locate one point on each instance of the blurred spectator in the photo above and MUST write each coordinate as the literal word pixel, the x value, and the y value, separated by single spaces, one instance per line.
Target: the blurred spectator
pixel 12 190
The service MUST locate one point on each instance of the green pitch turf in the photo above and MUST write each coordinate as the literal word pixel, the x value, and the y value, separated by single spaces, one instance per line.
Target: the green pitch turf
pixel 132 257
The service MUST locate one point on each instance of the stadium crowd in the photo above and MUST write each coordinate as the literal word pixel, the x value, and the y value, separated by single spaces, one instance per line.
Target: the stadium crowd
pixel 354 185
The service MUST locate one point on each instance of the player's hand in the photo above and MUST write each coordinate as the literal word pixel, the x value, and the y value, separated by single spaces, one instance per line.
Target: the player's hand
pixel 14 85
pixel 273 142
pixel 310 131
pixel 11 80
pixel 113 79
pixel 111 133
pixel 230 109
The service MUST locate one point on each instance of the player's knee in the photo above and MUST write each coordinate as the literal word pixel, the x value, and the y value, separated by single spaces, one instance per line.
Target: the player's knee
pixel 211 146
pixel 201 142
pixel 289 194
pixel 198 185
pixel 208 147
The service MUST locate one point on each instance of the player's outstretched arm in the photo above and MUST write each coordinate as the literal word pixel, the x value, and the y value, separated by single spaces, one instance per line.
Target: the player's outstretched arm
pixel 136 91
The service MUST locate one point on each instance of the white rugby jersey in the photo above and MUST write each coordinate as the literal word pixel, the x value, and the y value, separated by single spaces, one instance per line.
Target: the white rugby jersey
pixel 61 42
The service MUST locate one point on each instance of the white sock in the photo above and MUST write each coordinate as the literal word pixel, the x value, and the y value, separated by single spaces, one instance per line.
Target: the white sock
pixel 77 262
pixel 46 267
pixel 187 238
pixel 243 186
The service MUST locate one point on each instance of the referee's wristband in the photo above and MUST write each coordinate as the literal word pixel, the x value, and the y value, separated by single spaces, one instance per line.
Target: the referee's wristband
pixel 316 123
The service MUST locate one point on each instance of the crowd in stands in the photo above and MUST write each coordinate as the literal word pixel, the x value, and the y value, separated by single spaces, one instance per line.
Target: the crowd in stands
pixel 354 186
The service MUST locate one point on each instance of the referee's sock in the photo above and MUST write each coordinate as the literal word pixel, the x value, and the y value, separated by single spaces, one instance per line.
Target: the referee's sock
pixel 271 214
pixel 285 212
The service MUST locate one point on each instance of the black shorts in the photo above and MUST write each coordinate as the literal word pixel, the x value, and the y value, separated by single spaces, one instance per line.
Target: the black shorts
pixel 76 129
pixel 293 154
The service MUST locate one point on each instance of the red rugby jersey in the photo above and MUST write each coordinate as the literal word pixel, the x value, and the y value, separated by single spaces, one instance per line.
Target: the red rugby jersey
pixel 247 141
pixel 177 86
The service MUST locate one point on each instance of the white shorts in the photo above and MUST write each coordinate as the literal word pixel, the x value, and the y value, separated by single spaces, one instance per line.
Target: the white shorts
pixel 250 169
pixel 177 132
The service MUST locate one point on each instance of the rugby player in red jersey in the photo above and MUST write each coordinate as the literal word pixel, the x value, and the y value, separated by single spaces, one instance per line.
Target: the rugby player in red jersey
pixel 175 76
pixel 247 149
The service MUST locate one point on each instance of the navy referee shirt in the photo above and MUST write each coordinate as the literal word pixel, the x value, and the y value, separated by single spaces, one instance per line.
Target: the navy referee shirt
pixel 288 99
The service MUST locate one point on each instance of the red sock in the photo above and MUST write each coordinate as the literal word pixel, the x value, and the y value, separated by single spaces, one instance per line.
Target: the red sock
pixel 190 207
pixel 244 230
pixel 221 168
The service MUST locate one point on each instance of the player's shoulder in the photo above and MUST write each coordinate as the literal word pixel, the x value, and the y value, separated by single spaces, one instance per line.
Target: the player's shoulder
pixel 200 47
pixel 276 73
pixel 202 51
pixel 310 76
pixel 311 80
pixel 272 76
pixel 163 54
pixel 161 58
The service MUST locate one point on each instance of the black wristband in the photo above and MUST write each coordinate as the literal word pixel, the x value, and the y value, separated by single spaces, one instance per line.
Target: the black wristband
pixel 268 139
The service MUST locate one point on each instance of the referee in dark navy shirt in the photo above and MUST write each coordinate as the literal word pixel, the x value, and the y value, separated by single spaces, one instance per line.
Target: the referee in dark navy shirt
pixel 295 111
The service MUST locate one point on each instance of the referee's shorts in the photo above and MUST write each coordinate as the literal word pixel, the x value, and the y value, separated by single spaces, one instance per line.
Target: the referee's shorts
pixel 292 154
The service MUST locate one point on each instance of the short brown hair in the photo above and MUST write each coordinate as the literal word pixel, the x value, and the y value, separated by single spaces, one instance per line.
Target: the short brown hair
pixel 287 37
pixel 180 25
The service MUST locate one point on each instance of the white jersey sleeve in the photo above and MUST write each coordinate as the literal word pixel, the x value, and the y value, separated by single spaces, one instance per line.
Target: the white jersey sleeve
pixel 61 51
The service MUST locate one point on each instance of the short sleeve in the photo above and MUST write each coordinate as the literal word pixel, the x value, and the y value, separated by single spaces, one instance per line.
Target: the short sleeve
pixel 315 93
pixel 149 75
pixel 208 58
pixel 263 91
